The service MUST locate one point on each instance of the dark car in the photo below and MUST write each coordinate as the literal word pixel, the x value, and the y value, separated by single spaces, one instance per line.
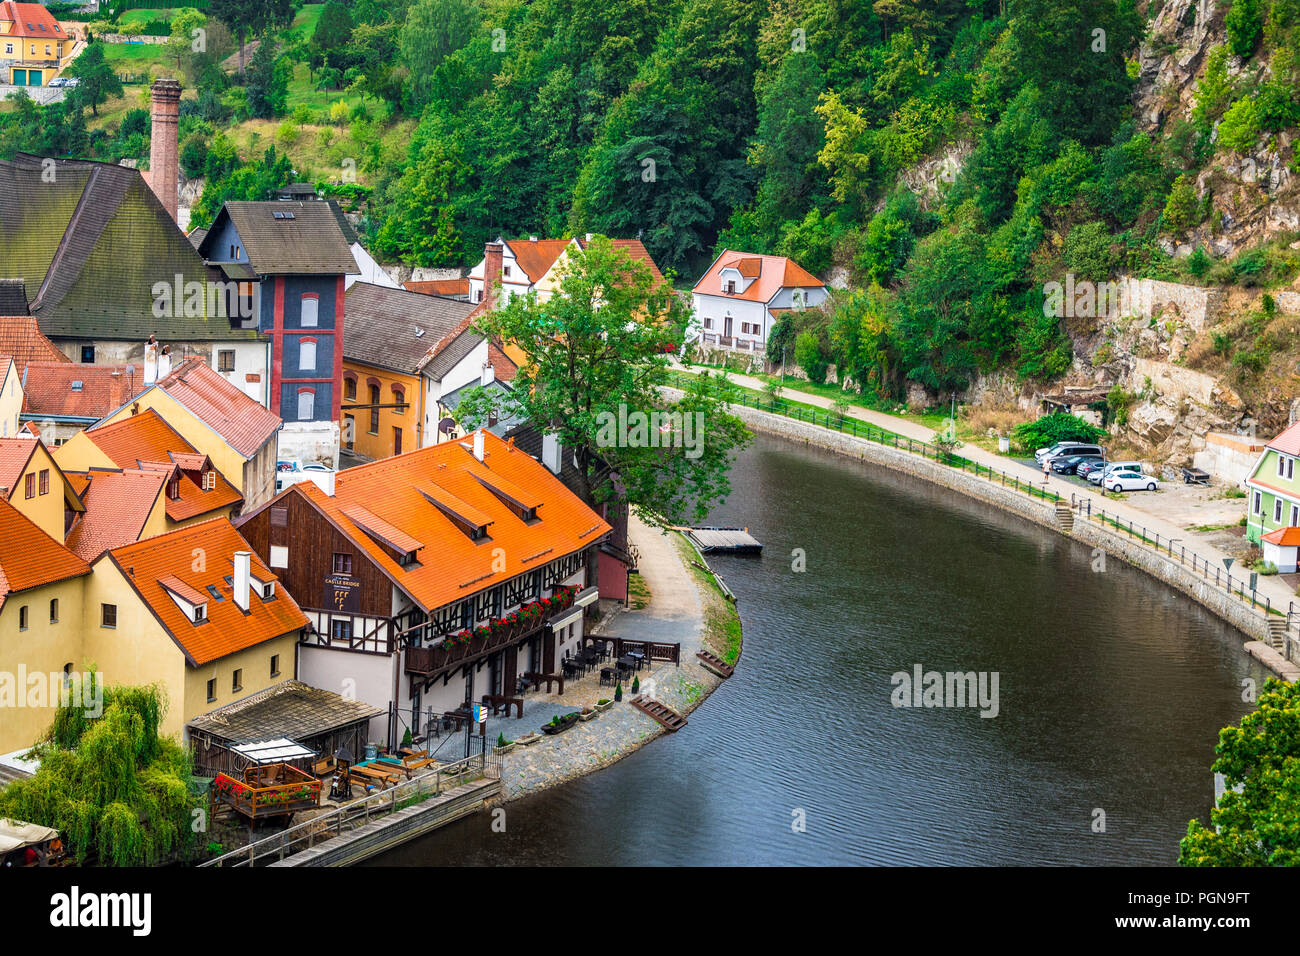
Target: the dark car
pixel 1068 466
pixel 1088 466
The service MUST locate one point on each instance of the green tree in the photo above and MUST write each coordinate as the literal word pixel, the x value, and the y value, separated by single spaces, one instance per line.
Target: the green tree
pixel 268 81
pixel 245 18
pixel 810 357
pixel 1258 825
pixel 96 79
pixel 183 41
pixel 332 33
pixel 595 348
pixel 1245 26
pixel 434 29
pixel 1182 209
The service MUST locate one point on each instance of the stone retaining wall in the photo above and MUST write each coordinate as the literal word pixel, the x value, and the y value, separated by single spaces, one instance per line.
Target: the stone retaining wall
pixel 1089 533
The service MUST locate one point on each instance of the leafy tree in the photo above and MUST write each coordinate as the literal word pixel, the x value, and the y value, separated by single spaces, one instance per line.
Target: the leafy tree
pixel 595 348
pixel 1245 26
pixel 1182 208
pixel 1087 251
pixel 434 29
pixel 809 355
pixel 245 18
pixel 1048 430
pixel 96 79
pixel 332 33
pixel 268 81
pixel 1258 825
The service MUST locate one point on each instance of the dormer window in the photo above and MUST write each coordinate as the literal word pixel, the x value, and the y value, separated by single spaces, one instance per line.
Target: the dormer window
pixel 209 480
pixel 174 489
pixel 200 613
pixel 731 287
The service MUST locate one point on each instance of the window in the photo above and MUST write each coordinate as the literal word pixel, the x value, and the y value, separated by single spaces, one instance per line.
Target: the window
pixel 307 355
pixel 342 563
pixel 212 690
pixel 200 613
pixel 374 409
pixel 29 486
pixel 1295 516
pixel 9 48
pixel 279 517
pixel 306 404
pixel 174 489
pixel 1257 507
pixel 310 308
pixel 22 618
pixel 1277 509
pixel 108 615
pixel 275 665
pixel 209 480
pixel 341 631
pixel 708 323
pixel 731 288
pixel 226 360
pixel 45 481
pixel 87 355
pixel 1290 468
pixel 349 431
pixel 1281 466
pixel 505 271
pixel 397 441
pixel 47 46
pixel 237 680
pixel 54 610
pixel 350 388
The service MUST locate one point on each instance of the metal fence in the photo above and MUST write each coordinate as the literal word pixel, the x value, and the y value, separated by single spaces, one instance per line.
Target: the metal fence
pixel 358 813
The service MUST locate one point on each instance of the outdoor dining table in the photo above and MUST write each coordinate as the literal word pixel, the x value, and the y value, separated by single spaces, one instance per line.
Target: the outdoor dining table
pixel 638 658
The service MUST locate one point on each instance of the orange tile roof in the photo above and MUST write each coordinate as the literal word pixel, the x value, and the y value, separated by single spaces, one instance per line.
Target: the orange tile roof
pixel 147 441
pixel 118 504
pixel 29 557
pixel 1286 537
pixel 450 565
pixel 21 339
pixel 155 563
pixel 535 256
pixel 438 286
pixel 15 453
pixel 242 422
pixel 771 274
pixel 28 20
pixel 77 391
pixel 636 250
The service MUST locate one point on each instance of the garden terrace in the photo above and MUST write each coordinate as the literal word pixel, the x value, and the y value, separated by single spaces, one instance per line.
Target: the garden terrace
pixel 268 791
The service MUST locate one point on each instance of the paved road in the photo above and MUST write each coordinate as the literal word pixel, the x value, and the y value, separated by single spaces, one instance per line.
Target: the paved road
pixel 1276 590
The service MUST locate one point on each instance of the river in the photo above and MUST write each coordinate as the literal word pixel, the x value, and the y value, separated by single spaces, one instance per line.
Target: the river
pixel 1111 692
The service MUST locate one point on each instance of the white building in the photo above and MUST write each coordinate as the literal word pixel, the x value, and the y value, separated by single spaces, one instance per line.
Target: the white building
pixel 742 296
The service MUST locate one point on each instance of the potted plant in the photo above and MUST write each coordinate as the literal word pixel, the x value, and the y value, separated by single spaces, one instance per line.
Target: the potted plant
pixel 618 691
pixel 526 739
pixel 604 704
pixel 588 713
pixel 560 723
pixel 503 746
pixel 636 685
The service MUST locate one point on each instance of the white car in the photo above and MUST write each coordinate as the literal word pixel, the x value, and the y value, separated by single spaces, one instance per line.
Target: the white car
pixel 1111 467
pixel 1129 480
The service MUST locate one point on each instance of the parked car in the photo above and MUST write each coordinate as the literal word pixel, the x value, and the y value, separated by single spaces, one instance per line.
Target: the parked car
pixel 1097 475
pixel 1068 449
pixel 1086 468
pixel 1129 480
pixel 58 81
pixel 1071 464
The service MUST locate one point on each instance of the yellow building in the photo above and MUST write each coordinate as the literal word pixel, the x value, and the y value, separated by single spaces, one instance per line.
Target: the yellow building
pixel 33 45
pixel 34 484
pixel 41 584
pixel 387 336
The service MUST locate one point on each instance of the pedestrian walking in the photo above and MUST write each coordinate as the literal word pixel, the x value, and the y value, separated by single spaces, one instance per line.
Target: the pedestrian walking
pixel 1047 471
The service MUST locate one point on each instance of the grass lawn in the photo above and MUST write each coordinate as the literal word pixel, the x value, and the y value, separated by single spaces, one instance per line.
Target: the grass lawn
pixel 303 93
pixel 137 57
pixel 304 24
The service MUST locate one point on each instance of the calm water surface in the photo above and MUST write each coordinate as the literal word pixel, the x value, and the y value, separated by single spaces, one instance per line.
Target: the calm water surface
pixel 1112 692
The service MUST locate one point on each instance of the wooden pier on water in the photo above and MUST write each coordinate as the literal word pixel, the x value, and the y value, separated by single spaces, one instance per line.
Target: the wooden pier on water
pixel 668 718
pixel 720 540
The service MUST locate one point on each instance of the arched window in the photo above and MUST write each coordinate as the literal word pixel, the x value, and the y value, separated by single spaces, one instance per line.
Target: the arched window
pixel 306 404
pixel 310 308
pixel 306 355
pixel 350 387
pixel 375 399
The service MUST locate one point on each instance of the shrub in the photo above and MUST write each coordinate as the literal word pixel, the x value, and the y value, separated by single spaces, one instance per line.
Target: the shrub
pixel 1239 129
pixel 1245 23
pixel 810 357
pixel 194 155
pixel 1087 251
pixel 1182 210
pixel 636 685
pixel 1050 429
pixel 618 691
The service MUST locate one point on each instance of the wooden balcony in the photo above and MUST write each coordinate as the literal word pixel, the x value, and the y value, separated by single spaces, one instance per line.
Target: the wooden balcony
pixel 268 791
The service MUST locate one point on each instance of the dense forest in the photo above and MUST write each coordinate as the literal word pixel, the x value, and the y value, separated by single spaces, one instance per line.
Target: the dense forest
pixel 945 158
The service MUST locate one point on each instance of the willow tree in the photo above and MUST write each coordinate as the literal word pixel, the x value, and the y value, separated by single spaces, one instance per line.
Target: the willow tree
pixel 594 371
pixel 1257 820
pixel 116 791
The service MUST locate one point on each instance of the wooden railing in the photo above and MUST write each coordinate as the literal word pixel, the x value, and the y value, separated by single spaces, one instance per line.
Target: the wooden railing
pixel 298 791
pixel 653 650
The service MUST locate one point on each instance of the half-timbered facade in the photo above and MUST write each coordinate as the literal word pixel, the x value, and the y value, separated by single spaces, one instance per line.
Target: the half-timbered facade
pixel 433 578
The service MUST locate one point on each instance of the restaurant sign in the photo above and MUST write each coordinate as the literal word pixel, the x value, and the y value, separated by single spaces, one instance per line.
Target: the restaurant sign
pixel 342 593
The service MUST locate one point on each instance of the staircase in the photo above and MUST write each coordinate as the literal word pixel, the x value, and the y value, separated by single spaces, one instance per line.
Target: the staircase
pixel 1277 634
pixel 669 718
pixel 1064 516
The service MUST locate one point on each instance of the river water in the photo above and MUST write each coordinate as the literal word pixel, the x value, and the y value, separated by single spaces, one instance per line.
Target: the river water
pixel 1111 692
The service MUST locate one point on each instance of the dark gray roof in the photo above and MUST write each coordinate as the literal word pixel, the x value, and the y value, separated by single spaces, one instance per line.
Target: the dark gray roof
pixel 198 235
pixel 528 439
pixel 288 238
pixel 453 353
pixel 341 218
pixel 290 709
pixel 382 325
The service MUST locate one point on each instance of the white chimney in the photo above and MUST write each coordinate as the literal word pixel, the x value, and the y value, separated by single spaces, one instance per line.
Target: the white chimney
pixel 551 451
pixel 478 444
pixel 242 578
pixel 589 237
pixel 489 374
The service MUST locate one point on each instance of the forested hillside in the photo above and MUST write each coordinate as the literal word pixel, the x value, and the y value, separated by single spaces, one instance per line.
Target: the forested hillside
pixel 943 159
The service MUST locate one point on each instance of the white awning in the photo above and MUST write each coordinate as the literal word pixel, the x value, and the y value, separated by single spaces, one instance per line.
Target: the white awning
pixel 16 833
pixel 273 751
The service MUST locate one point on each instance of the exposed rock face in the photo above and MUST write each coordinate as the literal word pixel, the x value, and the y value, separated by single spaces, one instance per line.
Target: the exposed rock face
pixel 934 174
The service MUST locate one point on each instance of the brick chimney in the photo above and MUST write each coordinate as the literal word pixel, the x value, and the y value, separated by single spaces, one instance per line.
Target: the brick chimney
pixel 163 175
pixel 491 273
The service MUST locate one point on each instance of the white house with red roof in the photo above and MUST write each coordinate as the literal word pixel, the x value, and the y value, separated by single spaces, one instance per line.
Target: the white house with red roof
pixel 742 295
pixel 1273 505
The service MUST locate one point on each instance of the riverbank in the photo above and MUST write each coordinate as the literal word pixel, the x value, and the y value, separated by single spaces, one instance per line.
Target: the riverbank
pixel 1157 564
pixel 686 607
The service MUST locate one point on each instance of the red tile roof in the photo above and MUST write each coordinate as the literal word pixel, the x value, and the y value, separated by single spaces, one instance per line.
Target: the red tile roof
pixel 1286 537
pixel 438 286
pixel 771 274
pixel 166 560
pixel 636 250
pixel 29 557
pixel 29 18
pixel 401 491
pixel 15 453
pixel 147 441
pixel 76 391
pixel 117 505
pixel 21 339
pixel 243 423
pixel 1288 442
pixel 535 256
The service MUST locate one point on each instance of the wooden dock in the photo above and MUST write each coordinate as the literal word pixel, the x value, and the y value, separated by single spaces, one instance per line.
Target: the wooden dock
pixel 728 540
pixel 667 717
pixel 715 663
